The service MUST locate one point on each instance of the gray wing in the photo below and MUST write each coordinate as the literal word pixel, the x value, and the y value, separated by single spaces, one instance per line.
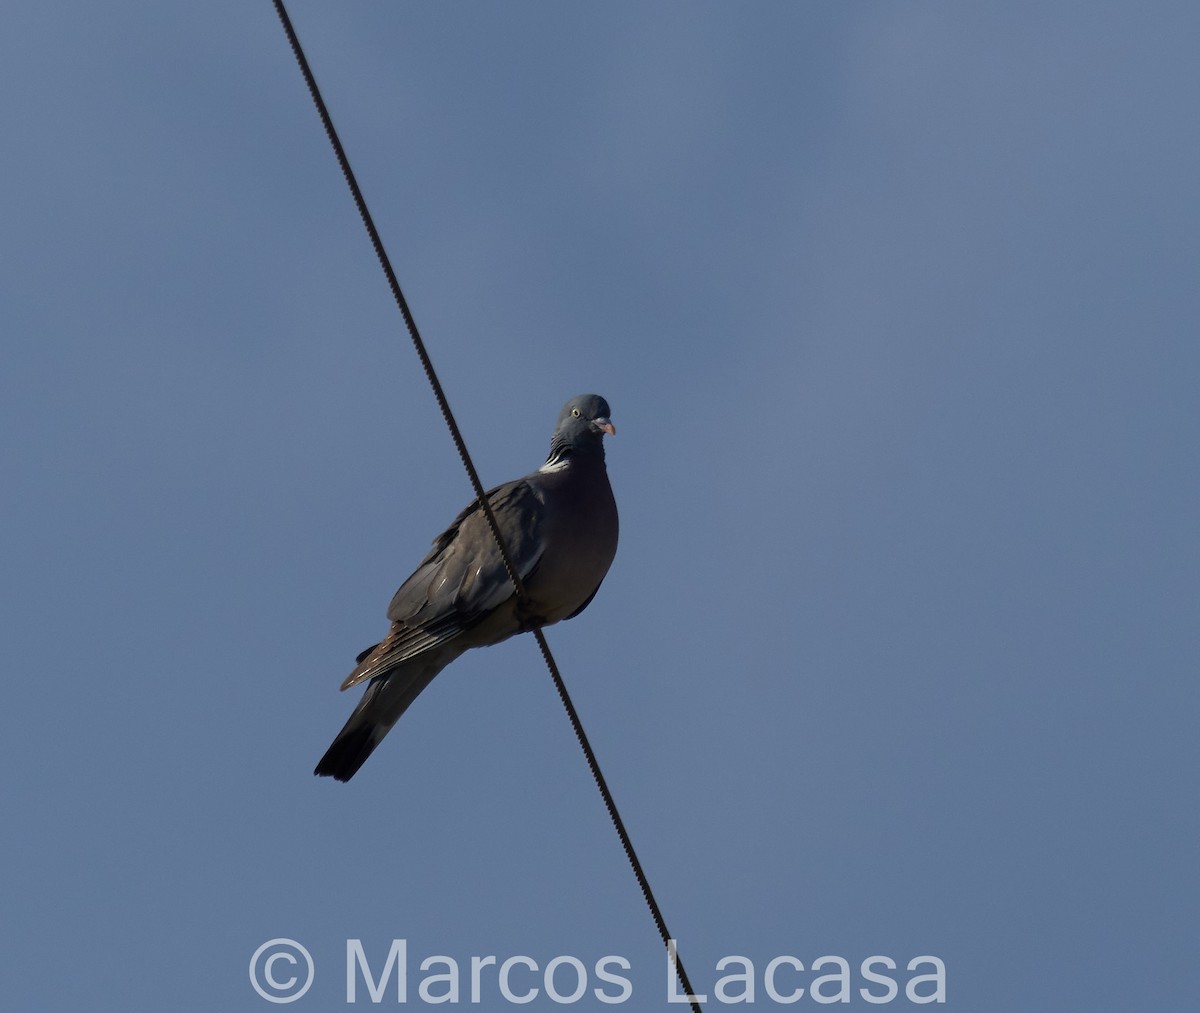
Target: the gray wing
pixel 461 580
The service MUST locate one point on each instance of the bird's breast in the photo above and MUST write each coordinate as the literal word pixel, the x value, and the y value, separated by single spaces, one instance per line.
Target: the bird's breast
pixel 580 542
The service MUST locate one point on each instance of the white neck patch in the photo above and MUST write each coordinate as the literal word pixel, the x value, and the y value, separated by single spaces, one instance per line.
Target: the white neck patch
pixel 555 464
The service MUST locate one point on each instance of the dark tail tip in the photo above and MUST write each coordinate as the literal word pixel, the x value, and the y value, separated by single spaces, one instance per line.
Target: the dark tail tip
pixel 348 752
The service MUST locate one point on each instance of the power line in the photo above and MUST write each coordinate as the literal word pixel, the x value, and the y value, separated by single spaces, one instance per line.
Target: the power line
pixel 460 444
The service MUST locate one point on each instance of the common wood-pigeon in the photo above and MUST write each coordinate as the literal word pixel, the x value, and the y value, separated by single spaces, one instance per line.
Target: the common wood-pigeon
pixel 560 528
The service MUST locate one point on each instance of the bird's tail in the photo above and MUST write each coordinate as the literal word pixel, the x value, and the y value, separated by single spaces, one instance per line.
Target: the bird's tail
pixel 386 698
pixel 350 749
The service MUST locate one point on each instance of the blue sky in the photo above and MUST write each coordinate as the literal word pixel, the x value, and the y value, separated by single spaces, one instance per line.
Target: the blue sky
pixel 895 305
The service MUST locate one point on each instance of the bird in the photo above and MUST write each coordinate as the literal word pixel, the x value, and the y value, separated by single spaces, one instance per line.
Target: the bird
pixel 560 528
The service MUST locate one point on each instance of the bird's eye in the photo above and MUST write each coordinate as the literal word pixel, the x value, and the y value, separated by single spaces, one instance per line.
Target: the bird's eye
pixel 575 412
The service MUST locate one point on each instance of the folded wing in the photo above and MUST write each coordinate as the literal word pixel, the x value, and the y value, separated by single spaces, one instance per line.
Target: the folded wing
pixel 461 580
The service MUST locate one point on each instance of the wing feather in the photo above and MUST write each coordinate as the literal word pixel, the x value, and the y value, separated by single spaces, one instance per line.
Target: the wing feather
pixel 461 579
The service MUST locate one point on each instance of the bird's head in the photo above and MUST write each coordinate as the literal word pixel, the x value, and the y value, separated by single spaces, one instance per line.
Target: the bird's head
pixel 581 426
